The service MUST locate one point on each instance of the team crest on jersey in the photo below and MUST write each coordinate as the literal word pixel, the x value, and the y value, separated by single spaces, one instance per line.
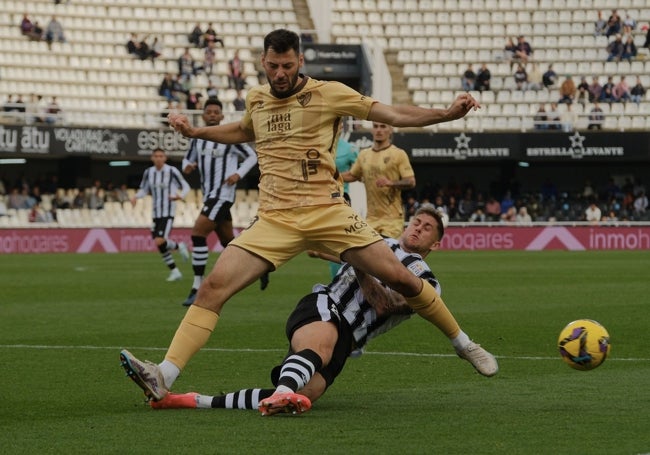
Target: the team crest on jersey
pixel 417 268
pixel 304 98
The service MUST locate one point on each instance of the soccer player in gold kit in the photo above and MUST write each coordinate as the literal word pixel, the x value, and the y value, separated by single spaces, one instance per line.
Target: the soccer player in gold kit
pixel 294 122
pixel 385 171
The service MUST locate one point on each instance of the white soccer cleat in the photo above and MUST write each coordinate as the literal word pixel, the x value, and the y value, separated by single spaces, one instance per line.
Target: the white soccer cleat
pixel 175 275
pixel 484 362
pixel 145 374
pixel 182 249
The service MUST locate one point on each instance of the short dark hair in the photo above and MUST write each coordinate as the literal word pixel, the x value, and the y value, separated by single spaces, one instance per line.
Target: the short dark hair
pixel 213 101
pixel 281 41
pixel 430 210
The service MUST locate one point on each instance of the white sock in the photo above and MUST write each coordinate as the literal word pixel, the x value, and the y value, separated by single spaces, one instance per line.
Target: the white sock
pixel 197 281
pixel 204 401
pixel 283 389
pixel 461 341
pixel 170 372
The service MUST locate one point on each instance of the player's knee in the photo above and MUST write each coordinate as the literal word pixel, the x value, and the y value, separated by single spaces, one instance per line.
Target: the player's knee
pixel 162 246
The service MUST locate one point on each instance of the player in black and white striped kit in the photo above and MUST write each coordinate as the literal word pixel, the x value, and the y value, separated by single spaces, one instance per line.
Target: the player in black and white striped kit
pixel 166 185
pixel 221 166
pixel 335 322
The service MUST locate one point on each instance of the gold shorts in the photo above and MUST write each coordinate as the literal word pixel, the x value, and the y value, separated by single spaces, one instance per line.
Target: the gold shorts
pixel 387 227
pixel 279 235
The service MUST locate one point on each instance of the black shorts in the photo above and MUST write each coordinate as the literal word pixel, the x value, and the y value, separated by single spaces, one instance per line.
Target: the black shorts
pixel 319 307
pixel 161 227
pixel 217 210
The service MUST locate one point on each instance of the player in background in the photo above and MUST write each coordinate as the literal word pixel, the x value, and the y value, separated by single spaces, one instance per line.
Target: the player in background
pixel 336 321
pixel 294 122
pixel 166 185
pixel 220 166
pixel 385 171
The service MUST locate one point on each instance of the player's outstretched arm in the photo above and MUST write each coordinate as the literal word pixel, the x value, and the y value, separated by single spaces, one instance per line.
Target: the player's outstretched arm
pixel 229 133
pixel 405 116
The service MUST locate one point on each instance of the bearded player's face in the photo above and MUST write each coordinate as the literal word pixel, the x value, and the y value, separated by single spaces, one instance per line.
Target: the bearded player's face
pixel 282 71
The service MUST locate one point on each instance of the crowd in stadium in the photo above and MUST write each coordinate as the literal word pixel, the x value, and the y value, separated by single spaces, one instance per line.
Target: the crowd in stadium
pixel 460 202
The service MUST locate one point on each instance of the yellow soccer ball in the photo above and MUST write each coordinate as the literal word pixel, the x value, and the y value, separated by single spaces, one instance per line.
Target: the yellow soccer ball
pixel 584 344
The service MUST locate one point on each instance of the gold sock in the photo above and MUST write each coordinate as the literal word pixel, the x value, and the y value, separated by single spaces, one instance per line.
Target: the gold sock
pixel 191 335
pixel 431 307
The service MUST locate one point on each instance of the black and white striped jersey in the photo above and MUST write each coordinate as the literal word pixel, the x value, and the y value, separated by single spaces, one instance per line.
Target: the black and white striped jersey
pixel 216 162
pixel 352 306
pixel 162 184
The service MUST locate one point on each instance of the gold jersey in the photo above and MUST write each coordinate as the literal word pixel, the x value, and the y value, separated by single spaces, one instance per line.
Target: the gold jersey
pixel 296 138
pixel 384 203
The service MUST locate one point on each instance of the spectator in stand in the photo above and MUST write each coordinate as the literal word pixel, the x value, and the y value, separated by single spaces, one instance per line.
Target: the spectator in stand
pixel 583 91
pixel 524 50
pixel 614 24
pixel 540 121
pixel 239 103
pixel 18 199
pixel 132 44
pixel 523 218
pixel 615 49
pixel 37 32
pixel 554 118
pixel 168 88
pixel 211 36
pixel 510 215
pixel 621 91
pixel 452 209
pixel 53 111
pixel 38 215
pixel 187 68
pixel 596 117
pixel 466 206
pixel 196 36
pixel 593 213
pixel 439 204
pixel 521 77
pixel 26 25
pixel 507 202
pixel 637 92
pixel 54 32
pixel 640 204
pixel 595 90
pixel 193 102
pixel 549 78
pixel 646 43
pixel 600 26
pixel 236 72
pixel 209 56
pixel 411 206
pixel 629 49
pixel 483 78
pixel 492 209
pixel 143 51
pixel 629 24
pixel 478 216
pixel 468 80
pixel 607 93
pixel 567 90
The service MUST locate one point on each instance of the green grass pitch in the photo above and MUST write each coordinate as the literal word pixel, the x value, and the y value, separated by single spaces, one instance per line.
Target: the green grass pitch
pixel 64 319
